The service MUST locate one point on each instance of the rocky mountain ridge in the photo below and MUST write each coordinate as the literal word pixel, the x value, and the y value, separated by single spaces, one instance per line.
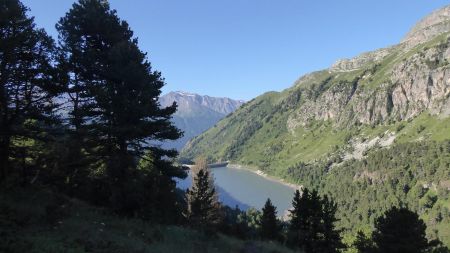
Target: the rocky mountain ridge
pixel 429 27
pixel 404 80
pixel 398 88
pixel 186 100
pixel 196 113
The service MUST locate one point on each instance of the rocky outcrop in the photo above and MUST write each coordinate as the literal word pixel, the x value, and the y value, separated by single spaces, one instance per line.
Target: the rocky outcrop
pixel 398 83
pixel 345 65
pixel 422 82
pixel 434 24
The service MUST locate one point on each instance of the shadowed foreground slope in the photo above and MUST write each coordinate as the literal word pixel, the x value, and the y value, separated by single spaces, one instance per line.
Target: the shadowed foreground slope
pixel 39 221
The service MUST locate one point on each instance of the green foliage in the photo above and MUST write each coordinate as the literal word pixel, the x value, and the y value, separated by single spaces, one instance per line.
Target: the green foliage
pixel 312 224
pixel 109 115
pixel 28 83
pixel 251 223
pixel 407 174
pixel 363 244
pixel 400 230
pixel 37 221
pixel 114 110
pixel 203 208
pixel 101 150
pixel 270 229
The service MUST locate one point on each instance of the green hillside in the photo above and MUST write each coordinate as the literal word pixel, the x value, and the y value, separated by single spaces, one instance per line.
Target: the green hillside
pixel 382 113
pixel 258 133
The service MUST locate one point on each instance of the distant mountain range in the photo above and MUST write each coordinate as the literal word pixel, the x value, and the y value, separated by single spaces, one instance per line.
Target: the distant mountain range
pixel 196 113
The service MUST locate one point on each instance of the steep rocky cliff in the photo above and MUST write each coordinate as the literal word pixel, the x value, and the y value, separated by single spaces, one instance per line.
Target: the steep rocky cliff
pixel 396 83
pixel 396 86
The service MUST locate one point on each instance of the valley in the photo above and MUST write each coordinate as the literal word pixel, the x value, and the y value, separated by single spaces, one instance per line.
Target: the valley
pixel 245 189
pixel 372 131
pixel 99 152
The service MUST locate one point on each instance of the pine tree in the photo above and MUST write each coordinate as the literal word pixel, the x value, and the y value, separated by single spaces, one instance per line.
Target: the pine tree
pixel 400 230
pixel 312 224
pixel 28 84
pixel 301 227
pixel 113 100
pixel 297 222
pixel 203 211
pixel 270 228
pixel 331 241
pixel 315 224
pixel 363 243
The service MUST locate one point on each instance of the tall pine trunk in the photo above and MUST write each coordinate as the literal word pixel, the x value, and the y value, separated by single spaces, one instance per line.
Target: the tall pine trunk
pixel 5 140
pixel 4 133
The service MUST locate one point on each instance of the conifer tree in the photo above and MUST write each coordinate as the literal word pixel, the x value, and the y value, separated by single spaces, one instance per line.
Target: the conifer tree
pixel 400 230
pixel 270 228
pixel 312 224
pixel 113 100
pixel 363 243
pixel 203 211
pixel 331 240
pixel 302 227
pixel 297 223
pixel 28 84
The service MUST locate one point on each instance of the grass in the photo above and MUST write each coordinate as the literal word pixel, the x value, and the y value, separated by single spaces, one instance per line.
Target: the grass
pixel 38 221
pixel 425 126
pixel 273 144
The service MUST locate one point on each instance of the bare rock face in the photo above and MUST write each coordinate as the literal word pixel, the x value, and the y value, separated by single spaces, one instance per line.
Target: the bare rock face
pixel 410 82
pixel 421 84
pixel 434 24
pixel 344 65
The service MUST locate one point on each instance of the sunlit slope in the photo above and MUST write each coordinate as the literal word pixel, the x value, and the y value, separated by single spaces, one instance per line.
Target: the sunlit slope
pixel 372 131
pixel 324 110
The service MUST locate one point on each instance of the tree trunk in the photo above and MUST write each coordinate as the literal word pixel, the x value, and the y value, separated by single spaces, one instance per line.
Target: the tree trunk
pixel 4 155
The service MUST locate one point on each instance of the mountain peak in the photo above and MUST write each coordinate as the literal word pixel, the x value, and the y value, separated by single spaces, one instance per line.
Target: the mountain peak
pixel 432 25
pixel 438 22
pixel 189 102
pixel 196 113
pixel 181 93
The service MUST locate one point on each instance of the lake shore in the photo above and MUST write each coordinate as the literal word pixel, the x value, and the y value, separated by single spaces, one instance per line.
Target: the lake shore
pixel 266 176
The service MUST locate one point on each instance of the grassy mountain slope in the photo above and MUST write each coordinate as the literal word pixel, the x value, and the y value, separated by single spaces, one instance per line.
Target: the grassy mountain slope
pixel 40 221
pixel 266 133
pixel 339 129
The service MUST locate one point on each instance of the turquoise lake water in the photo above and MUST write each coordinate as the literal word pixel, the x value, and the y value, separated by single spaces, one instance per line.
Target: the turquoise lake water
pixel 247 189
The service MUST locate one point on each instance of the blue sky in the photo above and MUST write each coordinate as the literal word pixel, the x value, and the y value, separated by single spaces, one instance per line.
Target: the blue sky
pixel 243 48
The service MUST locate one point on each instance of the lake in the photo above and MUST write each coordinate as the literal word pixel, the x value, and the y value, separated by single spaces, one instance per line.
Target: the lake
pixel 247 189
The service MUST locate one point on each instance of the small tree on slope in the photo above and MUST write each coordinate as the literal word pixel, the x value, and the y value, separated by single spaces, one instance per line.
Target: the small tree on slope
pixel 312 222
pixel 270 228
pixel 400 230
pixel 203 207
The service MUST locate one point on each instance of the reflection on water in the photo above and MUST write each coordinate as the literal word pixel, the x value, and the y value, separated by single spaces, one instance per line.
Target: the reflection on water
pixel 247 189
